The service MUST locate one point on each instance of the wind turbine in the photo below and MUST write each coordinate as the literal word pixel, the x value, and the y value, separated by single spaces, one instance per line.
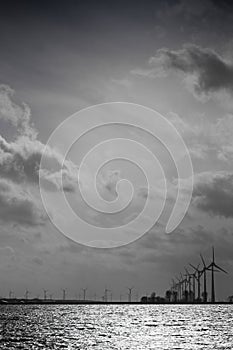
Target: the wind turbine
pixel 189 277
pixel 199 273
pixel 64 294
pixel 211 268
pixel 45 294
pixel 173 288
pixel 205 279
pixel 193 276
pixel 26 294
pixel 179 284
pixel 130 293
pixel 184 282
pixel 106 290
pixel 84 293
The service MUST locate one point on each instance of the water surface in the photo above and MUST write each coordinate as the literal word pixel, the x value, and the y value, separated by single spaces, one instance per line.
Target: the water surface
pixel 106 327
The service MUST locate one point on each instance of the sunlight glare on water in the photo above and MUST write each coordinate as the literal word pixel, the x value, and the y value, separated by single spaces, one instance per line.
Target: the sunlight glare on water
pixel 106 327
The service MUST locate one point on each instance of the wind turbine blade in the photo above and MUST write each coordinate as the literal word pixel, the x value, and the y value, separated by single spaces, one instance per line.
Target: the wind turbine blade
pixel 209 267
pixel 203 261
pixel 218 267
pixel 193 267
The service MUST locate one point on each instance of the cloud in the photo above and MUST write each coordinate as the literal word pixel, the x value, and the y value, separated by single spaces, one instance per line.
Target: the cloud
pixel 15 114
pixel 37 260
pixel 19 206
pixel 189 8
pixel 204 69
pixel 213 193
pixel 20 163
pixel 125 83
pixel 157 72
pixel 20 159
pixel 107 183
pixel 7 250
pixel 203 136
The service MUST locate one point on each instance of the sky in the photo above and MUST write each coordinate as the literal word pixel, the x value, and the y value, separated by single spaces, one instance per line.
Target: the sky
pixel 59 57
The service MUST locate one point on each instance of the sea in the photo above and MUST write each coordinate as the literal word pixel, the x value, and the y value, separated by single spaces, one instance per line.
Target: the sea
pixel 106 327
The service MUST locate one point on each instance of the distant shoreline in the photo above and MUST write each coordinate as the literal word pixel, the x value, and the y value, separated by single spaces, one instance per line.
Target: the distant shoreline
pixel 90 302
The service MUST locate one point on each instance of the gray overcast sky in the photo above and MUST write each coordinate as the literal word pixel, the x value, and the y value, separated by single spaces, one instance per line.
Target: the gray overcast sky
pixel 58 57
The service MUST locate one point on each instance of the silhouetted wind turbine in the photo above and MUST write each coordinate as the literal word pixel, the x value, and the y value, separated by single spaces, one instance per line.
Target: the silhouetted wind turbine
pixel 189 277
pixel 175 290
pixel 179 284
pixel 130 293
pixel 84 293
pixel 193 275
pixel 106 290
pixel 205 279
pixel 186 283
pixel 26 294
pixel 45 294
pixel 172 288
pixel 199 273
pixel 211 267
pixel 64 294
pixel 172 284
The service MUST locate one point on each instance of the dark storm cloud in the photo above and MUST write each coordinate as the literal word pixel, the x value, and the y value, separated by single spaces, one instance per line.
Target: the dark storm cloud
pixel 213 193
pixel 209 71
pixel 60 10
pixel 73 21
pixel 198 8
pixel 226 5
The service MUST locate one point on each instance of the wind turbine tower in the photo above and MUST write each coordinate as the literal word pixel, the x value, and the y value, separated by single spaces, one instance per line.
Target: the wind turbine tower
pixel 211 267
pixel 130 293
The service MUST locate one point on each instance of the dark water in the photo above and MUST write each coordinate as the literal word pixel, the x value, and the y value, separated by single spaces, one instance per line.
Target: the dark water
pixel 124 327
